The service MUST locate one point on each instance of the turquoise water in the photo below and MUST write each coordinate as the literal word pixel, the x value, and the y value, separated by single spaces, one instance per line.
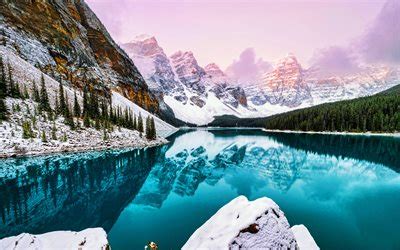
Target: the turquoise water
pixel 345 189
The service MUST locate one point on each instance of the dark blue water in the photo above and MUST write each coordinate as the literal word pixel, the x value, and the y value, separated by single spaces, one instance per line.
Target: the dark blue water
pixel 345 189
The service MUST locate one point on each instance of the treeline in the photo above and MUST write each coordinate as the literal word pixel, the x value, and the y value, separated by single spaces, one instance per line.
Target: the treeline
pixel 379 113
pixel 96 111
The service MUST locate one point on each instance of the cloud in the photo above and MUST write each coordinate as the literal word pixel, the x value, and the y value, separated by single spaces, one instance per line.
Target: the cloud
pixel 248 68
pixel 381 42
pixel 334 61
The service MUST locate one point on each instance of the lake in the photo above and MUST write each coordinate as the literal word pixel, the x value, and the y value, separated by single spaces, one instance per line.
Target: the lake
pixel 345 189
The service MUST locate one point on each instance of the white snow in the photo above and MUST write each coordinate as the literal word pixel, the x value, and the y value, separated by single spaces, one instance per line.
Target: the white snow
pixel 162 127
pixel 77 140
pixel 303 237
pixel 224 230
pixel 92 238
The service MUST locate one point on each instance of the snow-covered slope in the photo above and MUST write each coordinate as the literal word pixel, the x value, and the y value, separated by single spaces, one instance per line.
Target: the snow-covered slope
pixel 77 140
pixel 291 86
pixel 196 94
pixel 89 239
pixel 25 73
pixel 258 224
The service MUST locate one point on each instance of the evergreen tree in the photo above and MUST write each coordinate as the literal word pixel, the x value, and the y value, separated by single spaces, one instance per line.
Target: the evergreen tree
pixel 153 128
pixel 3 38
pixel 44 138
pixel 54 132
pixel 68 118
pixel 44 104
pixel 11 89
pixel 3 91
pixel 26 92
pixel 148 128
pixel 27 130
pixel 35 91
pixel 3 107
pixel 3 81
pixel 140 123
pixel 77 108
pixel 135 126
pixel 85 102
pixel 62 104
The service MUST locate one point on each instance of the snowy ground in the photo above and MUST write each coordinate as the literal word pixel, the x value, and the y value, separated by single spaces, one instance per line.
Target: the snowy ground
pixel 92 238
pixel 12 144
pixel 258 224
pixel 81 139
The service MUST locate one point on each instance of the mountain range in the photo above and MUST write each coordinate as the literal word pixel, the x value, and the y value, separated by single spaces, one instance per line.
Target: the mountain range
pixel 66 41
pixel 198 94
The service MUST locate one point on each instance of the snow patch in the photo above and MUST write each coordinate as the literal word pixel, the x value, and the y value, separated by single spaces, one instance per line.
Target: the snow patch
pixel 92 238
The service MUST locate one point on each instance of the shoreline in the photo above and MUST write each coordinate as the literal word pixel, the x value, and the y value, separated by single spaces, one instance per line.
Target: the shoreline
pixel 397 134
pixel 68 149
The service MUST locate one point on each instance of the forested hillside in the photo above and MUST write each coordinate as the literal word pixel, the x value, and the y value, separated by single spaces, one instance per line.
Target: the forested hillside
pixel 379 113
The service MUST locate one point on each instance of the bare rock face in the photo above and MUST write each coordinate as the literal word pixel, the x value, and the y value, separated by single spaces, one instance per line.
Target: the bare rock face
pixel 66 39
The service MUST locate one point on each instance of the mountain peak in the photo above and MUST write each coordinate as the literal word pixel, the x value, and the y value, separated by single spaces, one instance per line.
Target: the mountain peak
pixel 144 45
pixel 142 38
pixel 214 70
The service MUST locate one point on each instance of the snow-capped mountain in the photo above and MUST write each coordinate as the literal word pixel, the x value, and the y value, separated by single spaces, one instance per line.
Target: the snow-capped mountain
pixel 196 94
pixel 291 86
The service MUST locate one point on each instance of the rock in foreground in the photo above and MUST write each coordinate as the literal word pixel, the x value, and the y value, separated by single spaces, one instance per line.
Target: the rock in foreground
pixel 92 238
pixel 258 224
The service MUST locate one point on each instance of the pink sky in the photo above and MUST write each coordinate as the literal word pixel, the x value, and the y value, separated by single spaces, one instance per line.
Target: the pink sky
pixel 218 31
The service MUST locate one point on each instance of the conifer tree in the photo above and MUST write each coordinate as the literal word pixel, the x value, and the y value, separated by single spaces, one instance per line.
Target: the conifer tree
pixel 10 90
pixel 27 130
pixel 62 104
pixel 44 104
pixel 85 102
pixel 148 128
pixel 26 92
pixel 44 138
pixel 69 120
pixel 135 126
pixel 3 90
pixel 36 95
pixel 3 107
pixel 54 132
pixel 3 81
pixel 153 128
pixel 77 108
pixel 140 123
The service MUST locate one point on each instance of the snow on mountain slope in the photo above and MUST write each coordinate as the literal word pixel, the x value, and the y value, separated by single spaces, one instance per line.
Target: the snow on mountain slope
pixel 196 95
pixel 25 74
pixel 292 87
pixel 162 127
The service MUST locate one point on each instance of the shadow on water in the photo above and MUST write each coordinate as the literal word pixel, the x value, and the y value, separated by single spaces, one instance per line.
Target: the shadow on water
pixel 71 192
pixel 378 149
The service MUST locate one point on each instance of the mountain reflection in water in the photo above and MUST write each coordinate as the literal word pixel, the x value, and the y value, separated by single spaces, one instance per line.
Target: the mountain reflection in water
pixel 323 181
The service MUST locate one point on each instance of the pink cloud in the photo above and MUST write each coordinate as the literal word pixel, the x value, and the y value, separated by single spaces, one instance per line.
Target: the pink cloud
pixel 248 67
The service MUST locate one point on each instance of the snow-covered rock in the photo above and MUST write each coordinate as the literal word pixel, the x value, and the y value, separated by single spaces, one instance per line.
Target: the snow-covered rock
pixel 88 239
pixel 303 237
pixel 258 224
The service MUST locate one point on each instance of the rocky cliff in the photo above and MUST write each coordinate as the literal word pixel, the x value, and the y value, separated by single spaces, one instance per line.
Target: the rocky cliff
pixel 65 39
